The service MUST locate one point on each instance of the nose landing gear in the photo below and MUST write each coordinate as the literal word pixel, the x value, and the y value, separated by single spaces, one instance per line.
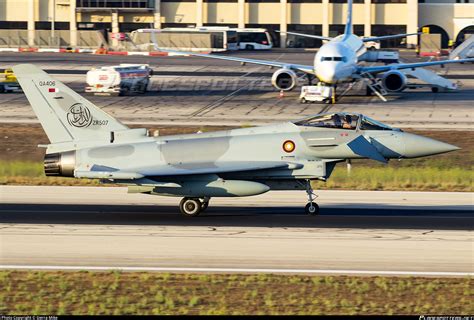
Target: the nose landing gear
pixel 311 208
pixel 192 207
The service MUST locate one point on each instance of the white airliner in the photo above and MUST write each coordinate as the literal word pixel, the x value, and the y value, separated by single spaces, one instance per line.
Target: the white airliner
pixel 337 61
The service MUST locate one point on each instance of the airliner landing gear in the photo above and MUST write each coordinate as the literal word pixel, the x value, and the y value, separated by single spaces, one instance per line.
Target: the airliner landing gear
pixel 192 207
pixel 333 95
pixel 311 208
pixel 205 203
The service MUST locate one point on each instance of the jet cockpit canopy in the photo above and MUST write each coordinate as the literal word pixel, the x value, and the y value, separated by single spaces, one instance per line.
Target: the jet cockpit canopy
pixel 343 120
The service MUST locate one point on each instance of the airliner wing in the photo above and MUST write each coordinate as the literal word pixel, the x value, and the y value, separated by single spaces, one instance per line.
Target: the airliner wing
pixel 293 66
pixel 306 35
pixel 402 35
pixel 377 69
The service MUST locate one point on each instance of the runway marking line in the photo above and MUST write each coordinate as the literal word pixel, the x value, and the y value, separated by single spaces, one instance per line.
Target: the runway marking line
pixel 243 270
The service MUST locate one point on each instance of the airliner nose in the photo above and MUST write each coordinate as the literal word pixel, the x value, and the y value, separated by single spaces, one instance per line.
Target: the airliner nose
pixel 328 75
pixel 418 146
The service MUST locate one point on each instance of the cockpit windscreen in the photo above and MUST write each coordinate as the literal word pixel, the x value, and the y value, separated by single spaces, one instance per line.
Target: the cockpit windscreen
pixel 335 120
pixel 343 120
pixel 371 124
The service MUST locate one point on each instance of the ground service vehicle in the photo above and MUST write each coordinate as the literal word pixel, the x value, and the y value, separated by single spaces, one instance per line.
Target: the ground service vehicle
pixel 201 39
pixel 121 79
pixel 254 39
pixel 8 81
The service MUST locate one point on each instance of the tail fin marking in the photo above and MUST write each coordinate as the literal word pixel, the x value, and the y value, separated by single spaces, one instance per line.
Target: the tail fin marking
pixel 64 114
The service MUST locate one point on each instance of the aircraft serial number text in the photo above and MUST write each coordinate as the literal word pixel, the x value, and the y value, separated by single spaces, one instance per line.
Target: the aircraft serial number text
pixel 51 83
pixel 100 122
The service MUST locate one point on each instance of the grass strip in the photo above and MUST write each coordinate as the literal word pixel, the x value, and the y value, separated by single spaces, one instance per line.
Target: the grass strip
pixel 105 293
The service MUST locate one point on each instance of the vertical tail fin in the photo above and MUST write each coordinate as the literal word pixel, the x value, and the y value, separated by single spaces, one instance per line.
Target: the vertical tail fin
pixel 64 114
pixel 348 29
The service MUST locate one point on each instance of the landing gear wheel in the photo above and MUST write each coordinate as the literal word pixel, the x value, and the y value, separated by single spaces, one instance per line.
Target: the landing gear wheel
pixel 312 209
pixel 190 207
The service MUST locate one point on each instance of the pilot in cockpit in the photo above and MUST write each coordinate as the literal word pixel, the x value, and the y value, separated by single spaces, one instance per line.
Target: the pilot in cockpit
pixel 347 122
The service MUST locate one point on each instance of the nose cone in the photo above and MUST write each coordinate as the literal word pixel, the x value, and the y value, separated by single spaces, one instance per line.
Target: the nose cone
pixel 419 146
pixel 327 74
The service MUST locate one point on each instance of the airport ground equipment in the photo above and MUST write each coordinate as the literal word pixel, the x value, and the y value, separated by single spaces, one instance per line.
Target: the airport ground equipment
pixel 121 79
pixel 372 45
pixel 86 142
pixel 8 81
pixel 318 93
pixel 464 50
pixel 430 79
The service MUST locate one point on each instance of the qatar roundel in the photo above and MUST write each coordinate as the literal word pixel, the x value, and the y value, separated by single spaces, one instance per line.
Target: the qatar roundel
pixel 289 146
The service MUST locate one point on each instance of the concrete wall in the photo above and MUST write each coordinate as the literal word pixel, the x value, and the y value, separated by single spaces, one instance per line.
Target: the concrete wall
pixel 224 12
pixel 305 13
pixel 451 17
pixel 179 12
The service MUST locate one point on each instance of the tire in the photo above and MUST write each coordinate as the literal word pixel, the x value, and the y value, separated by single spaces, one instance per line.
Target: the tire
pixel 312 210
pixel 124 91
pixel 249 47
pixel 303 100
pixel 2 89
pixel 434 89
pixel 190 207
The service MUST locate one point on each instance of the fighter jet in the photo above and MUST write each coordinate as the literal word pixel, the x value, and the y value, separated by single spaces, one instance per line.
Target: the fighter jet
pixel 86 142
pixel 337 61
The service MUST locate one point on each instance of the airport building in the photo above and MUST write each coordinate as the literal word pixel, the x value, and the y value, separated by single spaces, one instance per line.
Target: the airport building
pixel 74 22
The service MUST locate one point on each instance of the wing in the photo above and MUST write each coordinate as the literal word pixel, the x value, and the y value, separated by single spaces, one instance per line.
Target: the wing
pixel 306 35
pixel 402 35
pixel 214 168
pixel 395 66
pixel 293 66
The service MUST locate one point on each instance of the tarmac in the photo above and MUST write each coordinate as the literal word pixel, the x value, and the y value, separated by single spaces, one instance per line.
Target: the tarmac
pixel 357 232
pixel 198 91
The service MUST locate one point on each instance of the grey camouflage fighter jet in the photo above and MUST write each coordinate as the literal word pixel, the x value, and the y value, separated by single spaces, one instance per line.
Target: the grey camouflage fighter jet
pixel 86 142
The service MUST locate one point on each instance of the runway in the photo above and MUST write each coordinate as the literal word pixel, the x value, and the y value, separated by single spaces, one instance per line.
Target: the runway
pixel 360 232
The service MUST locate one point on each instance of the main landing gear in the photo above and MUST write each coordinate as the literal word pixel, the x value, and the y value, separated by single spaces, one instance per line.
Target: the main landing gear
pixel 192 207
pixel 311 208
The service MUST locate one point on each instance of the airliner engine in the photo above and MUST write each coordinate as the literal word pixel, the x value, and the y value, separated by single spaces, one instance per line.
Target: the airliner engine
pixel 284 79
pixel 394 81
